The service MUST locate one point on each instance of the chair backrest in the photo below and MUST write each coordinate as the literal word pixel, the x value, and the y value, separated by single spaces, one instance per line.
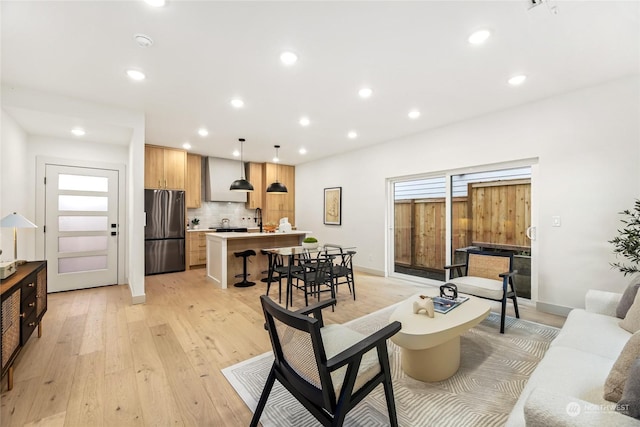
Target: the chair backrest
pixel 299 352
pixel 488 264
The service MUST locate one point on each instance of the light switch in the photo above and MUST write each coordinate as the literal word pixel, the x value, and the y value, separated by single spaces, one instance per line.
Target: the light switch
pixel 555 221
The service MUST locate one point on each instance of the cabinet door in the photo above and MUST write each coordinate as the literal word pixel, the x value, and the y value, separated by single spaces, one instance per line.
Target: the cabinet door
pixel 153 167
pixel 10 325
pixel 254 176
pixel 280 205
pixel 194 180
pixel 175 164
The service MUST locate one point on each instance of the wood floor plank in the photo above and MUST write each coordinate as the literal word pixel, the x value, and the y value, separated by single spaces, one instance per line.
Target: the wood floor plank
pixel 15 406
pixel 156 398
pixel 86 401
pixel 93 337
pixel 193 401
pixel 122 402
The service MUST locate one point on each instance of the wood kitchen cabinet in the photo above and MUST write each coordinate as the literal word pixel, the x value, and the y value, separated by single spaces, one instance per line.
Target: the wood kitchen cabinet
pixel 255 199
pixel 197 248
pixel 164 168
pixel 24 302
pixel 194 181
pixel 276 205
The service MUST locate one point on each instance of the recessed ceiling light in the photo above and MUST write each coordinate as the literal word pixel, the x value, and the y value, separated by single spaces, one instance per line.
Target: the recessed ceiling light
pixel 304 121
pixel 288 58
pixel 143 40
pixel 352 134
pixel 203 132
pixel 186 146
pixel 365 92
pixel 517 80
pixel 236 153
pixel 136 75
pixel 156 3
pixel 302 151
pixel 237 103
pixel 78 131
pixel 414 114
pixel 479 36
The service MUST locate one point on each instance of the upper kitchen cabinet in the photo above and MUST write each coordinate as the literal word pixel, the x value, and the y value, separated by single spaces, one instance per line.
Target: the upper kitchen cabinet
pixel 164 167
pixel 194 180
pixel 279 205
pixel 254 176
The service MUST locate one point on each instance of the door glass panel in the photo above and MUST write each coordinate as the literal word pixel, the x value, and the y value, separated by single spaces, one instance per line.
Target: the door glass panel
pixel 420 227
pixel 82 223
pixel 492 211
pixel 85 263
pixel 82 243
pixel 82 203
pixel 83 183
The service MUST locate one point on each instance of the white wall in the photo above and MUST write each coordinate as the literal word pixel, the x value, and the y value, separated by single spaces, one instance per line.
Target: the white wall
pixel 588 147
pixel 13 180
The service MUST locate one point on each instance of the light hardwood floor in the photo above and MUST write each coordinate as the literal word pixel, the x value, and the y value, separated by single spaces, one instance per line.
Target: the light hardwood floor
pixel 104 362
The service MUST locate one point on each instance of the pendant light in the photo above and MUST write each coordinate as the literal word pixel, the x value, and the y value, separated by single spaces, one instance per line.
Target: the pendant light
pixel 241 185
pixel 277 187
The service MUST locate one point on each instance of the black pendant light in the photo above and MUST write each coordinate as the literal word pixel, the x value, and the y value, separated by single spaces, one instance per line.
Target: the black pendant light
pixel 277 187
pixel 241 185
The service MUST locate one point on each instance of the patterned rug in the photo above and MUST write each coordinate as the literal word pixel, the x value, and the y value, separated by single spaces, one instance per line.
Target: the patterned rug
pixel 493 371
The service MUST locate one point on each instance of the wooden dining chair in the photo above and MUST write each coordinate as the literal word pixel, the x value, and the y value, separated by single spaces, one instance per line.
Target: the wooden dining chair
pixel 329 369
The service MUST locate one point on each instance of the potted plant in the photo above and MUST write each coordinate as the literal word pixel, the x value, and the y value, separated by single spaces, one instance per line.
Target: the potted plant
pixel 195 223
pixel 627 243
pixel 310 243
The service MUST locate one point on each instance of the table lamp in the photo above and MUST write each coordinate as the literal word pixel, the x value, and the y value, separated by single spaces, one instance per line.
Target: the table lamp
pixel 16 221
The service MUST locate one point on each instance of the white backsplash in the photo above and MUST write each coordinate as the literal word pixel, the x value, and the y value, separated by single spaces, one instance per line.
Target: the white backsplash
pixel 212 213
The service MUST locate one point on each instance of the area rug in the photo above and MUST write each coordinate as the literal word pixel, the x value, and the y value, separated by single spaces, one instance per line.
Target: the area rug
pixel 493 371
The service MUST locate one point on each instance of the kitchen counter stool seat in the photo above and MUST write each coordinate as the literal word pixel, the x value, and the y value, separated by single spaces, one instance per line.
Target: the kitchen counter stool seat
pixel 244 254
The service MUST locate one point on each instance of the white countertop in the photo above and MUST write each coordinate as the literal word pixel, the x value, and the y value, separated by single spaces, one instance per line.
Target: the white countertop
pixel 237 235
pixel 213 230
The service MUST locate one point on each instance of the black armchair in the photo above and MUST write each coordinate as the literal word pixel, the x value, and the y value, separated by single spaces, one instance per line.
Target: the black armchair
pixel 328 369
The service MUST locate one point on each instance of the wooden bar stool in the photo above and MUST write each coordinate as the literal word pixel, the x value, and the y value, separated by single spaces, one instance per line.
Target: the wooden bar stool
pixel 244 254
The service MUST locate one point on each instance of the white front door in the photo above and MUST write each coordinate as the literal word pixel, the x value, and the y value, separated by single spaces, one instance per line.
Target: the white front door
pixel 81 227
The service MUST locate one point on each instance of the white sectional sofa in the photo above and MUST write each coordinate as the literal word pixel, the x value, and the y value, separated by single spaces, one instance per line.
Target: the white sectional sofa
pixel 567 387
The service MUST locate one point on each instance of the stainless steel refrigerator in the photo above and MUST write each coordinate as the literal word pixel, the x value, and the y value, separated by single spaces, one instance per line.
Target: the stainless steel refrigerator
pixel 164 246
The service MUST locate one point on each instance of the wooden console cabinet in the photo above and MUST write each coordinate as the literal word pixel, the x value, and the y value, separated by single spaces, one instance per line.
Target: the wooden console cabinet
pixel 24 302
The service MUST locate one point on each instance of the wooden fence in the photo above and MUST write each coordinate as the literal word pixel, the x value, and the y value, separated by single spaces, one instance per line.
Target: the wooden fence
pixel 494 214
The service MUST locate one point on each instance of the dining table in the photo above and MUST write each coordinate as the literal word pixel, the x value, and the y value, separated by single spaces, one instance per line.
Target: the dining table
pixel 292 253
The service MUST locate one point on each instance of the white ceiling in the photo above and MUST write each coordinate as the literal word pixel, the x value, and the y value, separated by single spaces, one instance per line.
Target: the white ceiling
pixel 413 55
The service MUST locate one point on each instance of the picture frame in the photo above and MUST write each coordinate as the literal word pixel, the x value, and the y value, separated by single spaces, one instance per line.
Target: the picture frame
pixel 333 206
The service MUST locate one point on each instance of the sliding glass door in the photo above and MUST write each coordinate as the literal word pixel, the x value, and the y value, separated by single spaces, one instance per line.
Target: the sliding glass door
pixel 437 219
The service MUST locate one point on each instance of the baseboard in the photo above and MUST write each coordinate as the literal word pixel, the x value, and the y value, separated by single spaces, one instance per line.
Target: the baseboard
pixel 371 271
pixel 558 310
pixel 138 299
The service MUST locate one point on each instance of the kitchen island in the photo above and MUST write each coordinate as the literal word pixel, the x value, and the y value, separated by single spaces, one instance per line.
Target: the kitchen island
pixel 223 265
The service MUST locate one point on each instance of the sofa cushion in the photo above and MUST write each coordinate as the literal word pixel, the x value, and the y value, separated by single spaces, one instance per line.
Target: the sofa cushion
pixel 567 371
pixel 593 333
pixel 614 384
pixel 629 404
pixel 628 296
pixel 631 321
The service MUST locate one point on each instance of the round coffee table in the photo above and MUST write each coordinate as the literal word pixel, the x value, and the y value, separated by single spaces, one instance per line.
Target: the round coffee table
pixel 430 347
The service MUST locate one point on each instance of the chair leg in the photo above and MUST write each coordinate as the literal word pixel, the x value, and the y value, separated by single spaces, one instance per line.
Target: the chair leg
pixel 515 300
pixel 388 386
pixel 263 397
pixel 503 314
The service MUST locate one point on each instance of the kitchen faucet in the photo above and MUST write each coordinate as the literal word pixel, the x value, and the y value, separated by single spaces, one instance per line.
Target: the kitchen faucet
pixel 258 218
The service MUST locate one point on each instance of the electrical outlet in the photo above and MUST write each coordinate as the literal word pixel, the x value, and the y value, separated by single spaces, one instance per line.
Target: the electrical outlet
pixel 555 221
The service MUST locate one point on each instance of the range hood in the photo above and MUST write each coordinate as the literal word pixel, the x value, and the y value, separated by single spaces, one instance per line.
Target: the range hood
pixel 218 176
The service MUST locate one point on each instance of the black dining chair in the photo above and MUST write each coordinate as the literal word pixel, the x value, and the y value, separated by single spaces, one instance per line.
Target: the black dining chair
pixel 316 277
pixel 343 266
pixel 329 369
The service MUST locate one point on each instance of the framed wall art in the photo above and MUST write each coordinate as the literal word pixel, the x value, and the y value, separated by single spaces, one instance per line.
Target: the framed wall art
pixel 333 206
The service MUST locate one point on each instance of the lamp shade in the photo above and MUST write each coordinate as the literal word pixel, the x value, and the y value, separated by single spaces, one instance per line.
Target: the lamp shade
pixel 241 185
pixel 277 187
pixel 16 220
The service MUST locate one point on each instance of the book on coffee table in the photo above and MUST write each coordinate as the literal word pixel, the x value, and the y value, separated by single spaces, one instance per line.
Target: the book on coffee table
pixel 445 305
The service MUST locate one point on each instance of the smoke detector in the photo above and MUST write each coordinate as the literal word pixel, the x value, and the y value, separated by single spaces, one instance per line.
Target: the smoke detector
pixel 143 40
